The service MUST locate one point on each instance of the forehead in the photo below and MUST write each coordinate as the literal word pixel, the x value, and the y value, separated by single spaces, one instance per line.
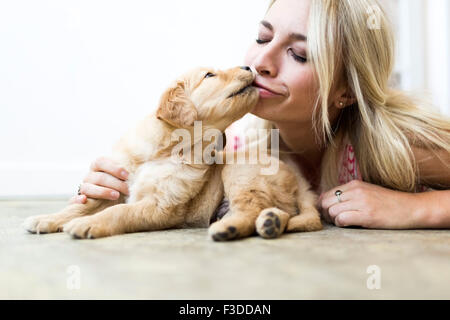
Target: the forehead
pixel 289 16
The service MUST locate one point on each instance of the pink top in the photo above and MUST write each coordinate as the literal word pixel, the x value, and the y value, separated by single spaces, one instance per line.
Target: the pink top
pixel 349 169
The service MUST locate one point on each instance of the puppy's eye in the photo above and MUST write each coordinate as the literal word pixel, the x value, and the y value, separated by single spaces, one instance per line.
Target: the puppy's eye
pixel 209 75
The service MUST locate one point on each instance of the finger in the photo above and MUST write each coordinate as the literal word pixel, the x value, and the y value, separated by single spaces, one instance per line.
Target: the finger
pixel 330 199
pixel 341 207
pixel 98 192
pixel 350 219
pixel 106 180
pixel 81 199
pixel 107 165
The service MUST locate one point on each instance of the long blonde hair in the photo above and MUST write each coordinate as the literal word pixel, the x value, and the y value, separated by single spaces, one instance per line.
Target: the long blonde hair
pixel 384 124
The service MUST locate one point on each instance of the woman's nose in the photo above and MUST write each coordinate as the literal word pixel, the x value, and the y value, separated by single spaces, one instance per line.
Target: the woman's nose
pixel 265 62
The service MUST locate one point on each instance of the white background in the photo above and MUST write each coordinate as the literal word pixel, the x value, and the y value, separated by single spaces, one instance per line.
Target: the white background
pixel 75 74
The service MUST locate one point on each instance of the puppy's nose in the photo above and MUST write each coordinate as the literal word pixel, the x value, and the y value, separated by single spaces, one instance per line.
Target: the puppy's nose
pixel 246 68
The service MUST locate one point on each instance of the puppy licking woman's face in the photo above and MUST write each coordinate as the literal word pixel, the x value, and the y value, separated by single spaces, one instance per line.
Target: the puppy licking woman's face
pixel 215 97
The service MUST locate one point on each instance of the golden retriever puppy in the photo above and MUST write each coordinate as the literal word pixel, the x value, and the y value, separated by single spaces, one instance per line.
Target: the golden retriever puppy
pixel 269 204
pixel 165 193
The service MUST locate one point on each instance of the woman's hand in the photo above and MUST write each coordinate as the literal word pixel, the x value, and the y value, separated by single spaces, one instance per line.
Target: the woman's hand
pixel 370 206
pixel 106 180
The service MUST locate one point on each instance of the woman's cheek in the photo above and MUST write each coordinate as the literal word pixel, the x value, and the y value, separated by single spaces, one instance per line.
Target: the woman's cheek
pixel 303 93
pixel 305 86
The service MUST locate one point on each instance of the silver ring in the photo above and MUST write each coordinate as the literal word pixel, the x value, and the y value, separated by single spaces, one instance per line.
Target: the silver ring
pixel 338 195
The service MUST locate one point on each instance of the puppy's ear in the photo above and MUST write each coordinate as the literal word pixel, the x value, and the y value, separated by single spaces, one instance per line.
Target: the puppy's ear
pixel 176 108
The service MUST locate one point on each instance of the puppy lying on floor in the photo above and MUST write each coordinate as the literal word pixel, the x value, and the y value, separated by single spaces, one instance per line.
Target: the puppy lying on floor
pixel 269 204
pixel 172 194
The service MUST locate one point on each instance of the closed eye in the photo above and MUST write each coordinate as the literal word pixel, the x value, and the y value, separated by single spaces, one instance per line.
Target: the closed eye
pixel 297 57
pixel 260 41
pixel 209 75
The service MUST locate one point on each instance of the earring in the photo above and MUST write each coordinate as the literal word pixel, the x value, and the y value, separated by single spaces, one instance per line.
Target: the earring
pixel 341 104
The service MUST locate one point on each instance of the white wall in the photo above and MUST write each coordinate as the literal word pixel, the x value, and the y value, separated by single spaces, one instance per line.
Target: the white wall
pixel 438 52
pixel 424 49
pixel 411 44
pixel 75 74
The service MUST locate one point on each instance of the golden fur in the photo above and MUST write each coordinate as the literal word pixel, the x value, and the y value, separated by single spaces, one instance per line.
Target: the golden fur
pixel 267 204
pixel 168 194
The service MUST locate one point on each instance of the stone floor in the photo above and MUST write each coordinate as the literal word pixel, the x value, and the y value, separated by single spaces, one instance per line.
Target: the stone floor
pixel 185 264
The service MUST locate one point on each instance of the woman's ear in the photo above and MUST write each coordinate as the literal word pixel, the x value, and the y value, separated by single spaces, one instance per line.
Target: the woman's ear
pixel 345 98
pixel 176 108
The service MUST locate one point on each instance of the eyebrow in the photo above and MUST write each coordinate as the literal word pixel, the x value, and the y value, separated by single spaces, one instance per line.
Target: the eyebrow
pixel 295 36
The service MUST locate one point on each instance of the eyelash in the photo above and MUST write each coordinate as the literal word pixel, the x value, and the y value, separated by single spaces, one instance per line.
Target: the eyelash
pixel 259 41
pixel 296 57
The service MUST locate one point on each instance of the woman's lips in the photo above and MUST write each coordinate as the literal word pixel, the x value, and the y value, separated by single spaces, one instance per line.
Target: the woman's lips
pixel 265 92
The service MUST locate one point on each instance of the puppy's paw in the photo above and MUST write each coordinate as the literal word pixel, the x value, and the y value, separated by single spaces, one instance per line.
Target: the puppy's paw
pixel 84 228
pixel 223 232
pixel 271 223
pixel 42 224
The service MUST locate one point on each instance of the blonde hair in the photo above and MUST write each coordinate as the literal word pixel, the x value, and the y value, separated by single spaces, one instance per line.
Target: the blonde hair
pixel 384 124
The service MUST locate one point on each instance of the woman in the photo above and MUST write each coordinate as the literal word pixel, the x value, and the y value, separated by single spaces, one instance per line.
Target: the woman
pixel 323 68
